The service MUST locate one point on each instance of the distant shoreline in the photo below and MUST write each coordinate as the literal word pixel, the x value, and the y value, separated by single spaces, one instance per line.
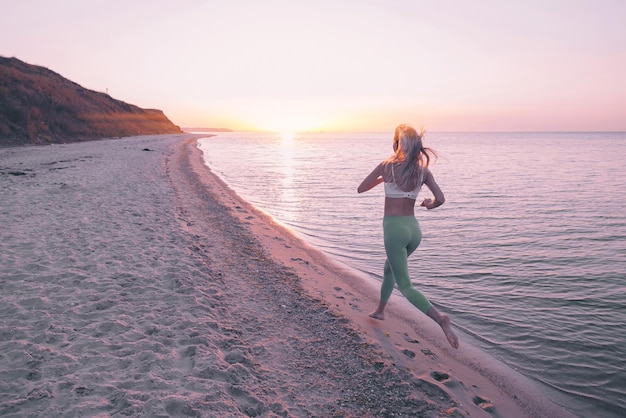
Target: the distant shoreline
pixel 200 130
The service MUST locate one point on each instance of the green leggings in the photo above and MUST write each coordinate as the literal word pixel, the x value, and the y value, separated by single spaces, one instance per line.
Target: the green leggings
pixel 402 236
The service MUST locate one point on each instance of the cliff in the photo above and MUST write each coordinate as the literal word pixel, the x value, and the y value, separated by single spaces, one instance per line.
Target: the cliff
pixel 39 106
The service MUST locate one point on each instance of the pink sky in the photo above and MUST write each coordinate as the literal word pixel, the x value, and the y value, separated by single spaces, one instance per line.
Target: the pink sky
pixel 288 65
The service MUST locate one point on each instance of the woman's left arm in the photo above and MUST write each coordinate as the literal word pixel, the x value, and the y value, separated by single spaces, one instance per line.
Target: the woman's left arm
pixel 436 191
pixel 373 179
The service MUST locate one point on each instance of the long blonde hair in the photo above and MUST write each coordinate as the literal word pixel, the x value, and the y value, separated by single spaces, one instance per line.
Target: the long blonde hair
pixel 410 158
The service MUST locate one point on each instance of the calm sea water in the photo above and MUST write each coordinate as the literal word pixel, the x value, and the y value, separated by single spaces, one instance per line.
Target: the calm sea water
pixel 528 255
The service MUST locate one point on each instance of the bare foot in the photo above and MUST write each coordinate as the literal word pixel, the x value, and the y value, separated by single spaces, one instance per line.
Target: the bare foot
pixel 447 329
pixel 377 315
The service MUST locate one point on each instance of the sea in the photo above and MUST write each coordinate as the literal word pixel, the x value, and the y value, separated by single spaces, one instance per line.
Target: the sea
pixel 527 255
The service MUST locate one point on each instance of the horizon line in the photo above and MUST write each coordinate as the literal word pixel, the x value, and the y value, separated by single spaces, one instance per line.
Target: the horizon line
pixel 228 130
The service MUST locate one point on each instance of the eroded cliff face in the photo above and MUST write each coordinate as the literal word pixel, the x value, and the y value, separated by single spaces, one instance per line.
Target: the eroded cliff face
pixel 39 106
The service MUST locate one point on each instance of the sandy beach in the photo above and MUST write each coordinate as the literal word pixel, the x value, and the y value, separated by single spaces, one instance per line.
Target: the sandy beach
pixel 133 282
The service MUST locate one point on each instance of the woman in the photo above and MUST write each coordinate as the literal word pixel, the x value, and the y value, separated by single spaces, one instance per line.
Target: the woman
pixel 403 174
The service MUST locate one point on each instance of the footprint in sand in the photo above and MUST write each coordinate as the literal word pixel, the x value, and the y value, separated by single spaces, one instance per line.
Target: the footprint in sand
pixel 440 376
pixel 443 377
pixel 306 263
pixel 188 360
pixel 236 356
pixel 408 353
pixel 83 391
pixel 300 260
pixel 212 373
pixel 338 289
pixel 247 403
pixel 429 353
pixel 484 404
pixel 176 407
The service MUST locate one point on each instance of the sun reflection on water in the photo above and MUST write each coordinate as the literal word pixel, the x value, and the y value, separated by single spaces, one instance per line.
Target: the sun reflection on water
pixel 288 197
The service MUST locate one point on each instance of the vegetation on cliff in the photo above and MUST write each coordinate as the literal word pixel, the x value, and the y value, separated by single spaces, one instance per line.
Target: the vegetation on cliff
pixel 39 106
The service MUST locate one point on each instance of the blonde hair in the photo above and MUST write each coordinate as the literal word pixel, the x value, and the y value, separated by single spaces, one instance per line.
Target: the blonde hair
pixel 410 158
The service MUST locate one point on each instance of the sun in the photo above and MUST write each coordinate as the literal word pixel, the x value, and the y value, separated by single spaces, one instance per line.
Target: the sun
pixel 287 136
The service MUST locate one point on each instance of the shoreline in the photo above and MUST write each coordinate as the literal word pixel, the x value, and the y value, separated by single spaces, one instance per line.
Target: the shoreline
pixel 136 282
pixel 472 374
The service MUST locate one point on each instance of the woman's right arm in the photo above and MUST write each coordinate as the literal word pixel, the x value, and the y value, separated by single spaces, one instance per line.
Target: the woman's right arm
pixel 373 179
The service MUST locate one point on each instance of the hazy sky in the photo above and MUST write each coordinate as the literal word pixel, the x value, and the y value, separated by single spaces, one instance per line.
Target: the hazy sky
pixel 452 65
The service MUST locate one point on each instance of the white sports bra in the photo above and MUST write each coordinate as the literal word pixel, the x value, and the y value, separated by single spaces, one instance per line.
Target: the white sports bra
pixel 393 190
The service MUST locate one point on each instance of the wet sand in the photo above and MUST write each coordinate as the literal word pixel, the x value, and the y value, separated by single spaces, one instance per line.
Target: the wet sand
pixel 133 282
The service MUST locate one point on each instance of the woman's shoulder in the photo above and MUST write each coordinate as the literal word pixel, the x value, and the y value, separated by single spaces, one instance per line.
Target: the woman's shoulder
pixel 385 170
pixel 427 176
